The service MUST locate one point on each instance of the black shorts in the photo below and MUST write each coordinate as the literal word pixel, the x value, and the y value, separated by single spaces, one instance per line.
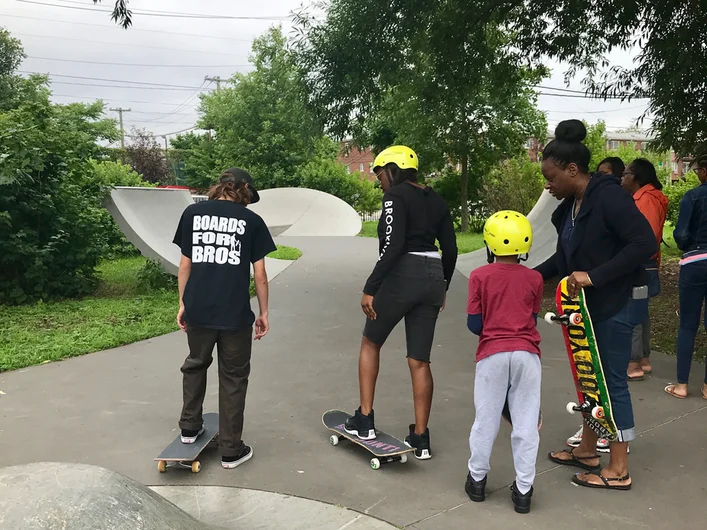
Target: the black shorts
pixel 414 289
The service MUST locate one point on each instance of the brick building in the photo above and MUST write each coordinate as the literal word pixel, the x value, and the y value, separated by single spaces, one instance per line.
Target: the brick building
pixel 356 160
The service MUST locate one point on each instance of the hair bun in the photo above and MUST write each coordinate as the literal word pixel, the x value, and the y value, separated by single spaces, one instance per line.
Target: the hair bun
pixel 570 131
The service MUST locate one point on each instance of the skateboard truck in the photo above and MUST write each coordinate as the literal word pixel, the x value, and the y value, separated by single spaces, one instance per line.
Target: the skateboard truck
pixel 377 462
pixel 565 320
pixel 597 411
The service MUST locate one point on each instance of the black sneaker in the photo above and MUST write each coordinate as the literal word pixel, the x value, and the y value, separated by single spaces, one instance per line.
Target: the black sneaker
pixel 189 437
pixel 475 490
pixel 229 462
pixel 521 503
pixel 361 426
pixel 421 443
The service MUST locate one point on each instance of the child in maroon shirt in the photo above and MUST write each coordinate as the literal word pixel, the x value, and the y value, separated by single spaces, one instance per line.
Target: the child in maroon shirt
pixel 504 301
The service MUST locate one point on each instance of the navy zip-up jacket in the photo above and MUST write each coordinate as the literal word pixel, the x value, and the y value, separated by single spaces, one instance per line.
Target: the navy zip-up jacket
pixel 611 241
pixel 691 228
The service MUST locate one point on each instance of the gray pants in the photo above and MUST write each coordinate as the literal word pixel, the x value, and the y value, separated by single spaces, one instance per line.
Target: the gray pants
pixel 516 375
pixel 641 341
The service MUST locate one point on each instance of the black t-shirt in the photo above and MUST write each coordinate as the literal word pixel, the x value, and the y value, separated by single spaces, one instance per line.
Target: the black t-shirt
pixel 222 239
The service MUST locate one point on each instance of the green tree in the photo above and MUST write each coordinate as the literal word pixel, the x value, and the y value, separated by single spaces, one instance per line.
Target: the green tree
pixel 195 154
pixel 11 56
pixel 514 184
pixel 50 206
pixel 467 99
pixel 261 120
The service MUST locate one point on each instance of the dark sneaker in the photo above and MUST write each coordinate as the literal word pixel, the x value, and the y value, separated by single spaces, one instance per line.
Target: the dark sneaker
pixel 229 462
pixel 421 443
pixel 521 503
pixel 475 490
pixel 361 426
pixel 189 437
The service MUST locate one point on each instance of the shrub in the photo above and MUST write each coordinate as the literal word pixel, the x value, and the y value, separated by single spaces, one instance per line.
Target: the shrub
pixel 152 277
pixel 675 192
pixel 514 184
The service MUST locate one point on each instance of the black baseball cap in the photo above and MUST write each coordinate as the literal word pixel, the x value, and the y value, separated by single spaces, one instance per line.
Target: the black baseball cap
pixel 238 175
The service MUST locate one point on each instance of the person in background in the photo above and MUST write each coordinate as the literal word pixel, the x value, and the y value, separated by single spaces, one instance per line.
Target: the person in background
pixel 691 237
pixel 641 181
pixel 612 165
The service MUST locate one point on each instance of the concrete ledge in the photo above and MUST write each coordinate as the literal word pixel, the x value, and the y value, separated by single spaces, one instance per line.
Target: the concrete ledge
pixel 231 508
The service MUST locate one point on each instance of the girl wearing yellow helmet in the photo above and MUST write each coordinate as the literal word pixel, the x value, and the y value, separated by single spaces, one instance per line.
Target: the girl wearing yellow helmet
pixel 409 281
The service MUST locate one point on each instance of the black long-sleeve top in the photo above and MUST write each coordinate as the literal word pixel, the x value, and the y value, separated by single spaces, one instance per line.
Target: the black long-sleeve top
pixel 411 220
pixel 611 241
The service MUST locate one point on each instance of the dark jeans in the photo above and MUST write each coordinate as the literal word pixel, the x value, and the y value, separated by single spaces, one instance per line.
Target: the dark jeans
pixel 613 338
pixel 692 286
pixel 641 343
pixel 234 349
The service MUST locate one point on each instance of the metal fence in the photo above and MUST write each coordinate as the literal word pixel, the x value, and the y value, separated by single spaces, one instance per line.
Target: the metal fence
pixel 375 216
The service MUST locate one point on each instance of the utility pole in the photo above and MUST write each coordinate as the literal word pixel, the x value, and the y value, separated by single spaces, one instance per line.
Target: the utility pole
pixel 217 79
pixel 165 141
pixel 120 111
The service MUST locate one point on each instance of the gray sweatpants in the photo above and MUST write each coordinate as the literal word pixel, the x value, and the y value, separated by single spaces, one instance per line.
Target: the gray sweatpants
pixel 516 375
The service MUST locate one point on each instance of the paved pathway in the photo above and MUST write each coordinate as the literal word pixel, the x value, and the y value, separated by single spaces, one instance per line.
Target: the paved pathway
pixel 119 408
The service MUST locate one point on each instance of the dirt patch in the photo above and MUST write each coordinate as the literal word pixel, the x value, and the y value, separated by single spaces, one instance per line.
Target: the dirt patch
pixel 664 319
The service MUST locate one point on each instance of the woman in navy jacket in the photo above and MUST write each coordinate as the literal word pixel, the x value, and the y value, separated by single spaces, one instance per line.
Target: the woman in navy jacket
pixel 603 240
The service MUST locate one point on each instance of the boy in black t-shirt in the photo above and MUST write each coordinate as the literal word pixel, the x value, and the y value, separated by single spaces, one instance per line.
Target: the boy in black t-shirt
pixel 219 239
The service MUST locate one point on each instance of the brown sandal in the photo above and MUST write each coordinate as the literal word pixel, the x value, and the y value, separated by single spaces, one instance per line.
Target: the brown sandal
pixel 604 479
pixel 575 460
pixel 670 389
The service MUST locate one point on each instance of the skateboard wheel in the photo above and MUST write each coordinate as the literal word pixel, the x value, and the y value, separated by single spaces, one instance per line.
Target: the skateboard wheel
pixel 570 407
pixel 403 458
pixel 598 413
pixel 375 463
pixel 161 466
pixel 576 319
pixel 334 439
pixel 195 467
pixel 548 317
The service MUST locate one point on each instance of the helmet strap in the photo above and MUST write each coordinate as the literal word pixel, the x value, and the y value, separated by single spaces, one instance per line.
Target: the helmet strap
pixel 489 255
pixel 521 258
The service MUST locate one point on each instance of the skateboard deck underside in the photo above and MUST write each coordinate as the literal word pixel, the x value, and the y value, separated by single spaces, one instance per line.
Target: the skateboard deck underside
pixel 585 362
pixel 381 446
pixel 181 452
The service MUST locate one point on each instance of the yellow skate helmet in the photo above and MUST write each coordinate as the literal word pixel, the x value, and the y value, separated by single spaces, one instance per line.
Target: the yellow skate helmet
pixel 400 155
pixel 508 233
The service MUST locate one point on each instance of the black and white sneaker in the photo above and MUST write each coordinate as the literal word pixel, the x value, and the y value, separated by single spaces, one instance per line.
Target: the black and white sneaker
pixel 189 437
pixel 421 443
pixel 229 462
pixel 361 426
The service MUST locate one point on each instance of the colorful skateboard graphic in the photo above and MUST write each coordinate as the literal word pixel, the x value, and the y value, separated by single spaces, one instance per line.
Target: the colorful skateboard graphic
pixel 178 454
pixel 384 447
pixel 585 363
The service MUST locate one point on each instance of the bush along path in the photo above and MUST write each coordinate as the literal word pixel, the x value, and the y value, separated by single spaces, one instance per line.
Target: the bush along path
pixel 135 301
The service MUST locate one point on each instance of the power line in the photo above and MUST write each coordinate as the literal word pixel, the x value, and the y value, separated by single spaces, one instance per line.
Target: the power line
pixel 163 13
pixel 582 97
pixel 126 44
pixel 120 86
pixel 145 65
pixel 599 111
pixel 123 100
pixel 132 30
pixel 111 80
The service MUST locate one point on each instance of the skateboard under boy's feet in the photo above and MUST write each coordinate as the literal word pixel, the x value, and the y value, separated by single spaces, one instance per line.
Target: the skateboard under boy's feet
pixel 384 447
pixel 179 454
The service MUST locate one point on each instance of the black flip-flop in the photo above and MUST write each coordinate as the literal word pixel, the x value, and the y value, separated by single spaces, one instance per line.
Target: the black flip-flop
pixel 576 460
pixel 605 480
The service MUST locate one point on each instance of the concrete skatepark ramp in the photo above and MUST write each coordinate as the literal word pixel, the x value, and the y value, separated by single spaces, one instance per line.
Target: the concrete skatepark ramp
pixel 57 496
pixel 306 212
pixel 544 237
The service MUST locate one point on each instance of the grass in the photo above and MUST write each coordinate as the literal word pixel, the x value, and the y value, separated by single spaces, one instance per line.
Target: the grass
pixel 467 242
pixel 120 312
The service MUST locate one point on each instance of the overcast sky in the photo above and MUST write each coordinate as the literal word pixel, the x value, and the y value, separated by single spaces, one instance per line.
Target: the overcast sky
pixel 68 37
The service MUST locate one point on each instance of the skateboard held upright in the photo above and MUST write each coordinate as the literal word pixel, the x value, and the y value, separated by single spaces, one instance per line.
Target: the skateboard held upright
pixel 585 363
pixel 178 454
pixel 384 447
